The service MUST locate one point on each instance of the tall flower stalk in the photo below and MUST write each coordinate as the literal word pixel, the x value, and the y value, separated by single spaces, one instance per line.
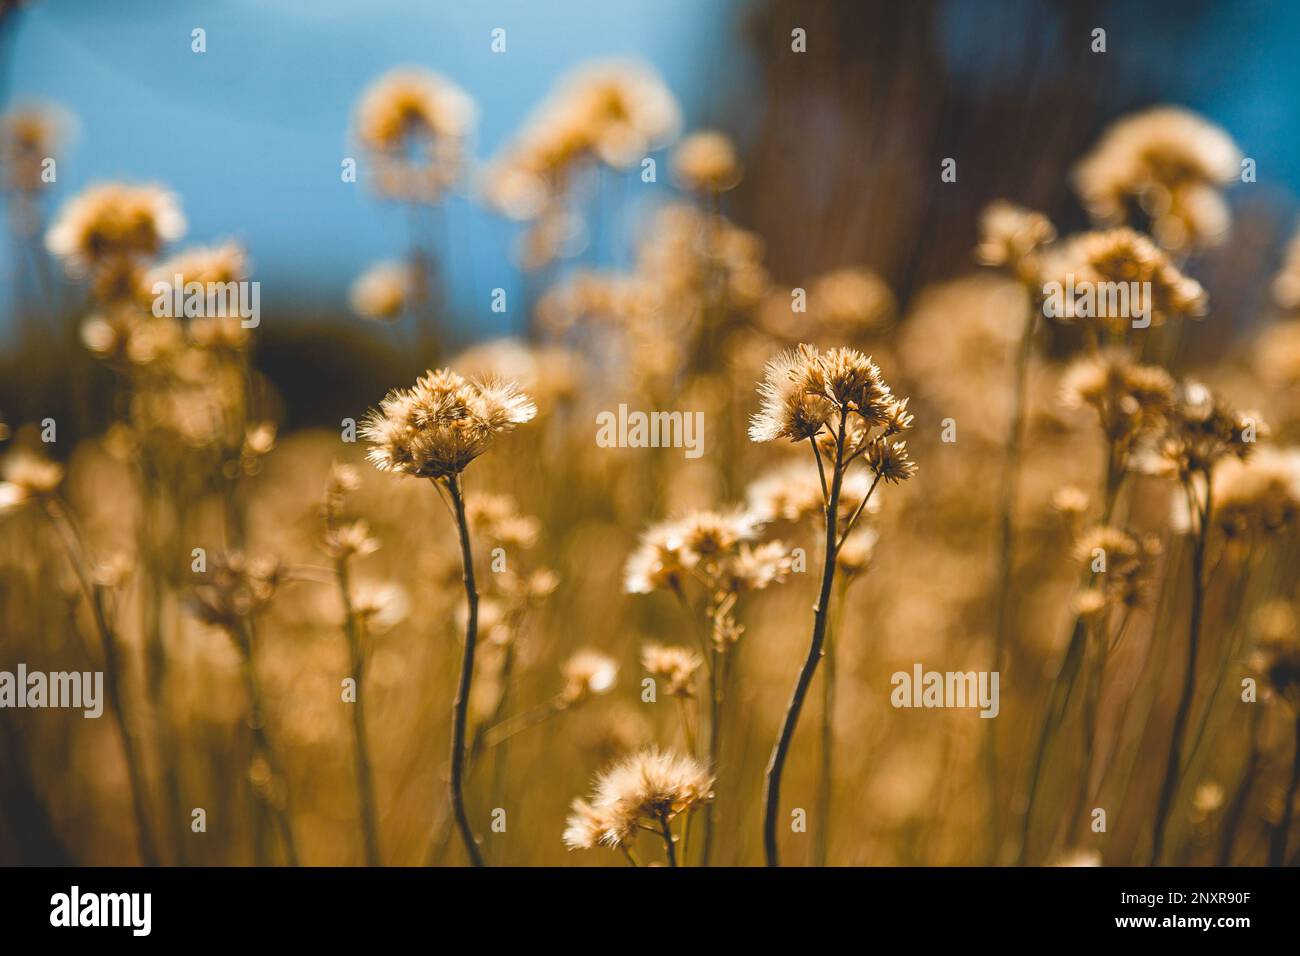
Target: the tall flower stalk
pixel 1010 239
pixel 95 595
pixel 236 589
pixel 715 551
pixel 1200 432
pixel 1130 401
pixel 32 478
pixel 434 430
pixel 344 541
pixel 838 403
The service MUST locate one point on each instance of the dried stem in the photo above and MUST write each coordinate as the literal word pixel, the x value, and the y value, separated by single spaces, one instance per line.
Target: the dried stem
pixel 668 839
pixel 1062 687
pixel 365 780
pixel 1010 487
pixel 776 765
pixel 112 671
pixel 826 774
pixel 247 643
pixel 1173 766
pixel 460 709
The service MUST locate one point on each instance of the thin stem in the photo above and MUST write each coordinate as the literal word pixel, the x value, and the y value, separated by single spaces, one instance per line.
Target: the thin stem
pixel 1095 670
pixel 365 780
pixel 498 734
pixel 1010 489
pixel 776 765
pixel 668 839
pixel 113 673
pixel 460 709
pixel 148 528
pixel 247 642
pixel 821 470
pixel 701 636
pixel 1062 686
pixel 1173 766
pixel 716 673
pixel 688 730
pixel 853 520
pixel 826 774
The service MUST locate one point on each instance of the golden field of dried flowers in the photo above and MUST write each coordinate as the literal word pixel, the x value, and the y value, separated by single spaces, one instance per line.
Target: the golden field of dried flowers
pixel 548 649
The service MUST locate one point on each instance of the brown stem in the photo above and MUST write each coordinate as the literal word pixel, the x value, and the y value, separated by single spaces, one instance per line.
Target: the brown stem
pixel 1062 686
pixel 1173 765
pixel 365 779
pixel 826 774
pixel 113 673
pixel 460 709
pixel 716 692
pixel 247 642
pixel 1006 539
pixel 668 839
pixel 776 765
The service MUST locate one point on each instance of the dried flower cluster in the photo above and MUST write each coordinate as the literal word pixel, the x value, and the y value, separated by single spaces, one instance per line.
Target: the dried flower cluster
pixel 441 424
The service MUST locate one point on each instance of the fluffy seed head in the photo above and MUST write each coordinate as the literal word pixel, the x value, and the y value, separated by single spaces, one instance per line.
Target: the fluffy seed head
pixel 436 428
pixel 676 666
pixel 650 788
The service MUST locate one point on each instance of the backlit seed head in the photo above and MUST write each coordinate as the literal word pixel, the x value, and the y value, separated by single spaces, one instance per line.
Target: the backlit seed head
pixel 889 460
pixel 1169 163
pixel 648 788
pixel 586 674
pixel 706 162
pixel 676 666
pixel 435 429
pixel 109 225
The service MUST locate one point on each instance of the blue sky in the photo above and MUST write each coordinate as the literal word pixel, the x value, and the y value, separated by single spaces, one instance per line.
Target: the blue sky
pixel 251 133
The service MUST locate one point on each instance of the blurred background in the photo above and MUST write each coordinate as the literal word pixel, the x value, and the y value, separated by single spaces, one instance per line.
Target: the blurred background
pixel 831 183
pixel 252 132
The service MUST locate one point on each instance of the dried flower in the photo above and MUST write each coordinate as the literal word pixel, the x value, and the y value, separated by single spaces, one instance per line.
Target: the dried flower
pixel 27 476
pixel 854 555
pixel 1129 398
pixel 1199 432
pixel 380 606
pixel 1124 259
pixel 497 517
pixel 1258 494
pixel 1010 237
pixel 348 540
pixel 793 406
pixel 382 292
pixel 235 588
pixel 436 428
pixel 113 222
pixel 1172 164
pixel 889 460
pixel 417 125
pixel 30 134
pixel 755 567
pixel 1120 563
pixel 649 787
pixel 587 673
pixel 706 162
pixel 676 666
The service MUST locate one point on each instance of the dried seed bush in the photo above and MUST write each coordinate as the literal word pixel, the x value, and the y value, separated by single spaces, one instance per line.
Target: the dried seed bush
pixel 1096 519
